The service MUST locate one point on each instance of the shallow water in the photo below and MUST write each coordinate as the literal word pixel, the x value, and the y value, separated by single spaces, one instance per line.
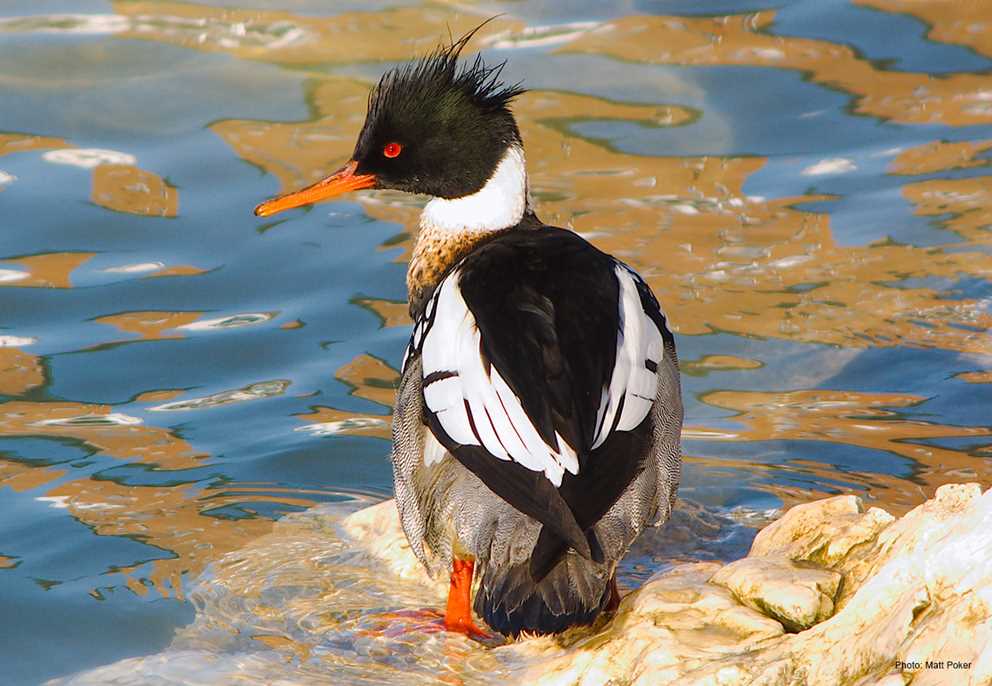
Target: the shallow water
pixel 804 184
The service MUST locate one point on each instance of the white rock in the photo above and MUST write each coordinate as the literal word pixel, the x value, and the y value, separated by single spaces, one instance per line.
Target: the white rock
pixel 914 589
pixel 907 591
pixel 823 531
pixel 381 524
pixel 798 597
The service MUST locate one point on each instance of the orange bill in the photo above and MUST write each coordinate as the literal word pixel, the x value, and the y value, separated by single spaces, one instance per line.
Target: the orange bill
pixel 341 181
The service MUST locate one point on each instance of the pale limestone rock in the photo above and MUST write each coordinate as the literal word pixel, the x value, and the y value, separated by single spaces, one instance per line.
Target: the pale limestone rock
pixel 324 595
pixel 918 589
pixel 796 596
pixel 909 538
pixel 673 623
pixel 379 525
pixel 890 680
pixel 862 589
pixel 823 531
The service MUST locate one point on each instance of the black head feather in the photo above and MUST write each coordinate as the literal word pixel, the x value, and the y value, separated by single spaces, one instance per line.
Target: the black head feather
pixel 452 121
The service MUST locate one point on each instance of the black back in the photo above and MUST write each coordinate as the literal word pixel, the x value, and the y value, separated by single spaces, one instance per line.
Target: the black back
pixel 547 306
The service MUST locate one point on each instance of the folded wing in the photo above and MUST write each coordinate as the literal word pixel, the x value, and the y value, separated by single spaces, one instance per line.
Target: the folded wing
pixel 527 377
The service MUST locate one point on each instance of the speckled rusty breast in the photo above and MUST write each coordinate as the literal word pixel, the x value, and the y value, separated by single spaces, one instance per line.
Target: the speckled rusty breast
pixel 435 252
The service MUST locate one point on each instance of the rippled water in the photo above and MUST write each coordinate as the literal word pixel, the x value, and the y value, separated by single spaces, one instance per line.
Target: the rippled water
pixel 805 185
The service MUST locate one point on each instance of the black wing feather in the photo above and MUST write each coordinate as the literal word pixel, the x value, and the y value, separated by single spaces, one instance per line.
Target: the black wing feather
pixel 527 490
pixel 547 306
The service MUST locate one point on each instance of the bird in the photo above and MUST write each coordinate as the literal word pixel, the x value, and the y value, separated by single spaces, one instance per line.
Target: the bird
pixel 536 429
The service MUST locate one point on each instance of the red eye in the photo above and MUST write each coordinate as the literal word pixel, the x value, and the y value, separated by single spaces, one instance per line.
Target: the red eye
pixel 392 150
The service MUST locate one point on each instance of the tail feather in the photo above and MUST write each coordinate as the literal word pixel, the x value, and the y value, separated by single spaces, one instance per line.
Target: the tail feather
pixel 574 592
pixel 550 548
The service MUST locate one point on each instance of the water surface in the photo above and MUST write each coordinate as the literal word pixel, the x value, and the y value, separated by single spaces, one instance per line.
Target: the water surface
pixel 804 184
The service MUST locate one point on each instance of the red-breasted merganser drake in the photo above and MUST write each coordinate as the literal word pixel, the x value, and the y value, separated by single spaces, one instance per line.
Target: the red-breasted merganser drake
pixel 537 421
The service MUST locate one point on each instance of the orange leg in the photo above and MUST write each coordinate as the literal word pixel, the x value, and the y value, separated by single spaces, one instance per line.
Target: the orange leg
pixel 458 616
pixel 614 602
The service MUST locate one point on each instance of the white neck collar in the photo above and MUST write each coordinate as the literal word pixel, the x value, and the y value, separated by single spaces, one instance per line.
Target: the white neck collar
pixel 497 205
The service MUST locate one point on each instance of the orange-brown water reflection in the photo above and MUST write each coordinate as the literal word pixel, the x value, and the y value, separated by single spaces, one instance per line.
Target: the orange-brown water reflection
pixel 119 187
pixel 959 99
pixel 722 259
pixel 175 517
pixel 865 420
pixel 293 39
pixel 369 378
pixel 170 517
pixel 20 371
pixel 13 143
pixel 126 188
pixel 948 21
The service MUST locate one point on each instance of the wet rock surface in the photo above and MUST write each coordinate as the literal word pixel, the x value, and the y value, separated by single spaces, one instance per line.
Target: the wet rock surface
pixel 796 596
pixel 869 599
pixel 830 593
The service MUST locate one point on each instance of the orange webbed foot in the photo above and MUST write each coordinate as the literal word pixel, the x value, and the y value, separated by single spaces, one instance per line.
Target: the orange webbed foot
pixel 469 629
pixel 458 615
pixel 397 623
pixel 427 620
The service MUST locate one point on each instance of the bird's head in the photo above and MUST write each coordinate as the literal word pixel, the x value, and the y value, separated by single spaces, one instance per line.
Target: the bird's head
pixel 434 126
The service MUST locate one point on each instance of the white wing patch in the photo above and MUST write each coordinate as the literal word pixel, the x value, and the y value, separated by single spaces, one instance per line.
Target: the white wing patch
pixel 434 452
pixel 420 328
pixel 634 383
pixel 475 407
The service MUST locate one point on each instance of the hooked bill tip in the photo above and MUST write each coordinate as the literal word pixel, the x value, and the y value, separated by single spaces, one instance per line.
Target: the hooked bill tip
pixel 340 182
